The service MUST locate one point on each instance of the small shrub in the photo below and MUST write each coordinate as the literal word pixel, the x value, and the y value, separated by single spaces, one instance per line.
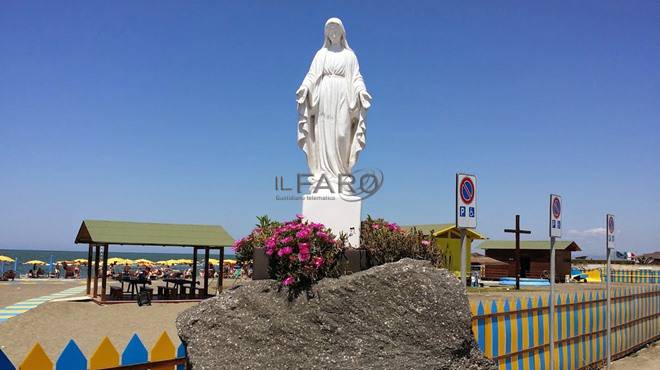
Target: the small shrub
pixel 387 242
pixel 302 253
pixel 244 248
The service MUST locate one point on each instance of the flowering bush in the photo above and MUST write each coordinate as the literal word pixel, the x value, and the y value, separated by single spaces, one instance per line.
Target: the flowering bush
pixel 244 248
pixel 387 242
pixel 302 253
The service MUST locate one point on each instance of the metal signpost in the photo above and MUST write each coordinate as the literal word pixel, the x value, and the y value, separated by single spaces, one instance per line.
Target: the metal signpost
pixel 555 232
pixel 609 226
pixel 466 212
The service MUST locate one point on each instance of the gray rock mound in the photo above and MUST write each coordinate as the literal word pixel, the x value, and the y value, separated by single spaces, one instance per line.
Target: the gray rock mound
pixel 402 315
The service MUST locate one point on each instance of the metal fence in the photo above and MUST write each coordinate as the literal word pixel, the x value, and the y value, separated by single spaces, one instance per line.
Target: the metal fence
pixel 163 355
pixel 639 276
pixel 514 332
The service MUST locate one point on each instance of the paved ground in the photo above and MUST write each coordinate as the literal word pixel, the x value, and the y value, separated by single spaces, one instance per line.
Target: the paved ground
pixel 497 292
pixel 645 359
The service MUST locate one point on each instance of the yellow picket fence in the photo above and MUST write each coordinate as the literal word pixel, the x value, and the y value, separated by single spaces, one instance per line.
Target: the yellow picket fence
pixel 163 355
pixel 514 332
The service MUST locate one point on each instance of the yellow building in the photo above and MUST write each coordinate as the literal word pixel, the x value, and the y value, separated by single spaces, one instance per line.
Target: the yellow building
pixel 448 239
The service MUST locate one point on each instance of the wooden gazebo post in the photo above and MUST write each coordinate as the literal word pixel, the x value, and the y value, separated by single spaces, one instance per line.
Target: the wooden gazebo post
pixel 221 270
pixel 96 270
pixel 193 288
pixel 206 272
pixel 89 269
pixel 104 271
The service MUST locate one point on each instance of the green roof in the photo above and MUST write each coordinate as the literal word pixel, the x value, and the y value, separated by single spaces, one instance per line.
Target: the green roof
pixel 142 233
pixel 442 230
pixel 427 228
pixel 530 244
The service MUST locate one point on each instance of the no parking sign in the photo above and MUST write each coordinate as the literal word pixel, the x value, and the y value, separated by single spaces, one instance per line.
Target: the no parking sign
pixel 609 220
pixel 466 201
pixel 555 216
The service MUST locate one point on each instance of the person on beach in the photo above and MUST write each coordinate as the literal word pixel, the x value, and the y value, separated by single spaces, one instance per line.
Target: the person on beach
pixel 8 275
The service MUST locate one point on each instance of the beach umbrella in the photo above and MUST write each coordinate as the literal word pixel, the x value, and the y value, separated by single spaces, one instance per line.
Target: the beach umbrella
pixel 230 261
pixel 144 261
pixel 118 260
pixel 6 259
pixel 82 261
pixel 184 261
pixel 3 260
pixel 162 262
pixel 35 262
pixel 214 261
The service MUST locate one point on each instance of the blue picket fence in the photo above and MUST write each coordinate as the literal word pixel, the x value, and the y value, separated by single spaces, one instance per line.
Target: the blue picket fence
pixel 161 356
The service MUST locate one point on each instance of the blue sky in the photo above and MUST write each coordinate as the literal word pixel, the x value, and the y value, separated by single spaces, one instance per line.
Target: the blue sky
pixel 184 112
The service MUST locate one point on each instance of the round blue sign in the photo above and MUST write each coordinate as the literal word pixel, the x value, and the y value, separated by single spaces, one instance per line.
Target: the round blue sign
pixel 467 190
pixel 556 207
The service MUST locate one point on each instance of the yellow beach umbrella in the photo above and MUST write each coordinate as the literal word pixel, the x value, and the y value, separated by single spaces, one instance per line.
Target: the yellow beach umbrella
pixel 184 261
pixel 162 262
pixel 35 262
pixel 6 259
pixel 118 260
pixel 82 261
pixel 214 261
pixel 230 261
pixel 144 261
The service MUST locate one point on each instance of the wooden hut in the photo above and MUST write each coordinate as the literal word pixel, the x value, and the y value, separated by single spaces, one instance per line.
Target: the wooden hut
pixel 534 258
pixel 489 267
pixel 448 239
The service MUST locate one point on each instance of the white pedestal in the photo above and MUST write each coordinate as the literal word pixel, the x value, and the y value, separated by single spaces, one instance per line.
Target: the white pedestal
pixel 340 215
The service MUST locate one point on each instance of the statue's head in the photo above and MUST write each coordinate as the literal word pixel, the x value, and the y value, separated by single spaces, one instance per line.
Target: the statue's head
pixel 335 34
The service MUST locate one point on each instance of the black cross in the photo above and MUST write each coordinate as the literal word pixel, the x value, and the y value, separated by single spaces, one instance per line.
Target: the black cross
pixel 517 231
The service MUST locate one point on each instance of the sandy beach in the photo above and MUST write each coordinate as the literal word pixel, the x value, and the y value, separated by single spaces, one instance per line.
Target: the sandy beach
pixel 17 291
pixel 52 324
pixel 644 359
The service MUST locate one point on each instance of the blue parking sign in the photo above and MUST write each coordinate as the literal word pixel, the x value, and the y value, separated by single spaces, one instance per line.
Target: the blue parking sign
pixel 462 211
pixel 471 211
pixel 554 224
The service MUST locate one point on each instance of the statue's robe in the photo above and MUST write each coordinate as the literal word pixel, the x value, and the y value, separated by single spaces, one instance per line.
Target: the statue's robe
pixel 331 125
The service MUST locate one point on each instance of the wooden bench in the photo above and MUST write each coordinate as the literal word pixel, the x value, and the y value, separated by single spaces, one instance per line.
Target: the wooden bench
pixel 116 292
pixel 149 290
pixel 166 292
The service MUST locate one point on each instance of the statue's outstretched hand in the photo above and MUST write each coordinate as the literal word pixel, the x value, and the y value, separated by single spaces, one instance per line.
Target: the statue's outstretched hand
pixel 365 99
pixel 301 94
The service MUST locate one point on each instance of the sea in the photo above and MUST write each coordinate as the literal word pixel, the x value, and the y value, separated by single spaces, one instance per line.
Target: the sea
pixel 48 256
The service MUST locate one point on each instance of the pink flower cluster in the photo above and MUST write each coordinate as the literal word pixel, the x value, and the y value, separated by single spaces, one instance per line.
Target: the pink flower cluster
pixel 236 247
pixel 387 226
pixel 294 239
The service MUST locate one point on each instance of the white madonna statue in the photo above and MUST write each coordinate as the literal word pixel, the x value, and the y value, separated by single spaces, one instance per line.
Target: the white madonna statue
pixel 332 108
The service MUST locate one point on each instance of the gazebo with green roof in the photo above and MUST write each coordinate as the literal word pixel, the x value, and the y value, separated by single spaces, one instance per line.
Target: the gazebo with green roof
pixel 100 234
